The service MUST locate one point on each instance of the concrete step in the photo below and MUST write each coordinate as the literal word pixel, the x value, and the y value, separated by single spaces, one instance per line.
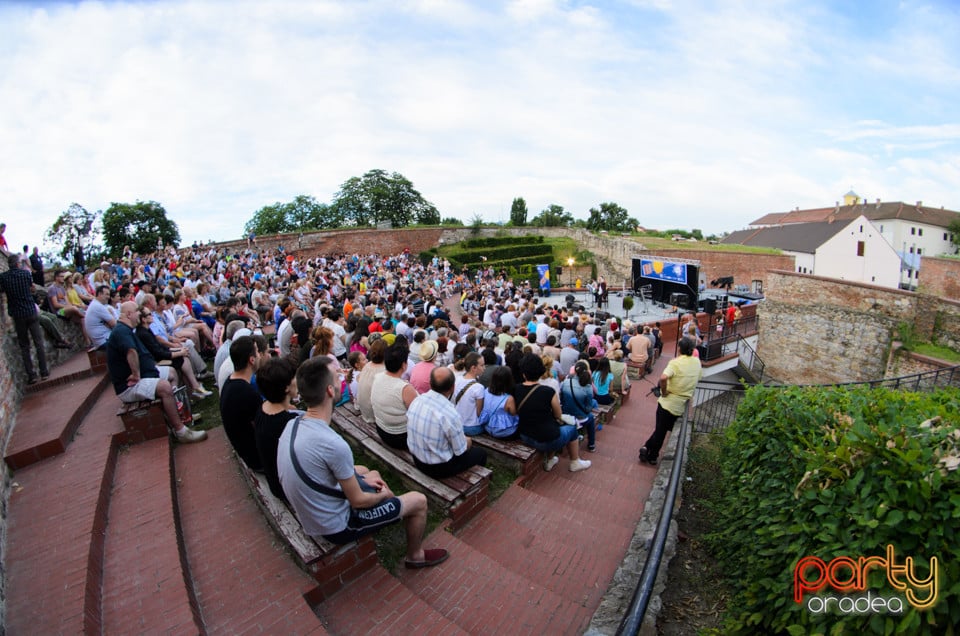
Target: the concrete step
pixel 144 587
pixel 244 579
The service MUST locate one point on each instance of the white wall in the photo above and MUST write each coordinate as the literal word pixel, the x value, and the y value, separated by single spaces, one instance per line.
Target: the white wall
pixel 879 265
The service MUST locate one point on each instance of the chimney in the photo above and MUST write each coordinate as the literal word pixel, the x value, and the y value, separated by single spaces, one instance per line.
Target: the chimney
pixel 837 208
pixel 878 203
pixel 919 204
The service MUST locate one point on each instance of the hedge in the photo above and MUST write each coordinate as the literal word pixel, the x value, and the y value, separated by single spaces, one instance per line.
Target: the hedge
pixel 825 473
pixel 497 241
pixel 501 253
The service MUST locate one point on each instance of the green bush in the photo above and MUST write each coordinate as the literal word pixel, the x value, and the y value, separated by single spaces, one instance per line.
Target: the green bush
pixel 838 472
pixel 497 241
pixel 504 252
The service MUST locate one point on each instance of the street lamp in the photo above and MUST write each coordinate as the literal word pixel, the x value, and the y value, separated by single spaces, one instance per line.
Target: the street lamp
pixel 570 269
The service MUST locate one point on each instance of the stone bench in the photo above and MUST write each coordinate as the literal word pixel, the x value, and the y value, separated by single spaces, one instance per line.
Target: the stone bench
pixel 98 360
pixel 461 496
pixel 333 566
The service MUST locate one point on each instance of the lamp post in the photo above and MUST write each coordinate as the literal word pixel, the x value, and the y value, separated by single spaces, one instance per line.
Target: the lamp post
pixel 570 269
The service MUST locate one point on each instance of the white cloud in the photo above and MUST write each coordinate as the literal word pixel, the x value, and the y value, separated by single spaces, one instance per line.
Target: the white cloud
pixel 699 114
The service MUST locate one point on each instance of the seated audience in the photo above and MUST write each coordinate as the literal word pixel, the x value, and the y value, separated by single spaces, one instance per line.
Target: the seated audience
pixel 435 434
pixel 277 381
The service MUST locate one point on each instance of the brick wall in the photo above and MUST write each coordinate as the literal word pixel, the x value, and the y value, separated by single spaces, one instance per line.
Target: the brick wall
pixel 940 277
pixel 819 330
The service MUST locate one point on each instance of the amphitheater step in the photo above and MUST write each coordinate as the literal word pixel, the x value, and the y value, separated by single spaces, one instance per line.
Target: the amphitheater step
pixel 482 596
pixel 143 581
pixel 48 420
pixel 244 579
pixel 53 519
pixel 381 604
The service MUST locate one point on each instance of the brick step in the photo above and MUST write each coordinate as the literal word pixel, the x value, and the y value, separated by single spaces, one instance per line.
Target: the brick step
pixel 616 500
pixel 244 579
pixel 55 527
pixel 380 604
pixel 48 420
pixel 484 597
pixel 73 365
pixel 144 586
pixel 564 559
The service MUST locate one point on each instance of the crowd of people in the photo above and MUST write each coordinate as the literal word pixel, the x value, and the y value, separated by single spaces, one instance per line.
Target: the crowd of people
pixel 371 330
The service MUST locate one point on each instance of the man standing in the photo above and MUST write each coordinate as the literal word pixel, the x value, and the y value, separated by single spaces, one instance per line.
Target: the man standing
pixel 434 433
pixel 334 498
pixel 36 264
pixel 99 320
pixel 136 376
pixel 240 402
pixel 17 284
pixel 677 383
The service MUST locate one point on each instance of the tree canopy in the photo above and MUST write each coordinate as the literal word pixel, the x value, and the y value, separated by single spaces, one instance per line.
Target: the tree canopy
pixel 140 225
pixel 76 232
pixel 518 212
pixel 377 196
pixel 611 217
pixel 552 216
pixel 302 214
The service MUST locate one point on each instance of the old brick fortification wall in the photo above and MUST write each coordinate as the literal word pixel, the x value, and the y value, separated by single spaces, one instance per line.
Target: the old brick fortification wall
pixel 819 330
pixel 940 277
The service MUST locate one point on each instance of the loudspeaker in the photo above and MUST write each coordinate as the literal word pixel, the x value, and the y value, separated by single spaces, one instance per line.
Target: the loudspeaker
pixel 602 316
pixel 679 299
pixel 710 305
pixel 570 298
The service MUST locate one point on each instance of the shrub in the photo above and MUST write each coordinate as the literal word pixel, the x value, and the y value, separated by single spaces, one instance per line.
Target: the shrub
pixel 838 472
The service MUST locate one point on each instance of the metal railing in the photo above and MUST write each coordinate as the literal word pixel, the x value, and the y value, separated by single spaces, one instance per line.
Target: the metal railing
pixel 712 408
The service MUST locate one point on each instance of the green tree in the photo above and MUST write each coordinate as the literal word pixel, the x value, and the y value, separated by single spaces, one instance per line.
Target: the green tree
pixel 378 196
pixel 76 233
pixel 954 229
pixel 302 214
pixel 140 225
pixel 451 220
pixel 552 216
pixel 518 212
pixel 611 217
pixel 270 219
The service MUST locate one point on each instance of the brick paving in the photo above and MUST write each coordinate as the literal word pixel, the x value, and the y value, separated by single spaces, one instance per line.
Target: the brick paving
pixel 538 560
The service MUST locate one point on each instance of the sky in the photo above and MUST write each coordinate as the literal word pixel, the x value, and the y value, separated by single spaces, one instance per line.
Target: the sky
pixel 699 114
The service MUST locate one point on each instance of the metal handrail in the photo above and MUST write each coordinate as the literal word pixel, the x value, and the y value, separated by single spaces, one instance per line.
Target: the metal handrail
pixel 704 396
pixel 633 619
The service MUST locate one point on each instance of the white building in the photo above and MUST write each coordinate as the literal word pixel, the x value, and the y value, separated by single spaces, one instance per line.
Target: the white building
pixel 911 230
pixel 846 250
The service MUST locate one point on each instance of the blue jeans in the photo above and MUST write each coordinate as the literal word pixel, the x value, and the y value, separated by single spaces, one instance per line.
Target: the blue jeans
pixel 567 434
pixel 590 424
pixel 471 431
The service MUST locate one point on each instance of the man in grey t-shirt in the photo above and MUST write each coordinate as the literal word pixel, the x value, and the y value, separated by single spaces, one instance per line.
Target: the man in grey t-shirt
pixel 334 498
pixel 99 319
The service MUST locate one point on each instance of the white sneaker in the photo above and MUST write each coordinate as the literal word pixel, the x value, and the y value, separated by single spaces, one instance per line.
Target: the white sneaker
pixel 202 393
pixel 548 464
pixel 579 464
pixel 188 435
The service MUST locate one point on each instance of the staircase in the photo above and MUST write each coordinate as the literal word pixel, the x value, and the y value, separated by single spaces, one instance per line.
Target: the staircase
pixel 107 538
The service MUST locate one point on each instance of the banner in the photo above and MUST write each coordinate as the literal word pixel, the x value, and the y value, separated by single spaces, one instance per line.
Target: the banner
pixel 663 270
pixel 543 271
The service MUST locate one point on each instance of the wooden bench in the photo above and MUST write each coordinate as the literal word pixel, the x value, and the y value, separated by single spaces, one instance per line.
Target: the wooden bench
pixel 602 413
pixel 461 496
pixel 333 566
pixel 634 369
pixel 513 453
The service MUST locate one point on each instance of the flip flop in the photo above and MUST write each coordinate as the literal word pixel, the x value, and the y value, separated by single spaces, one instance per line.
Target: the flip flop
pixel 433 556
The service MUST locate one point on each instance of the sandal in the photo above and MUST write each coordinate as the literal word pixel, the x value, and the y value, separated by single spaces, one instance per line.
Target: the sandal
pixel 431 557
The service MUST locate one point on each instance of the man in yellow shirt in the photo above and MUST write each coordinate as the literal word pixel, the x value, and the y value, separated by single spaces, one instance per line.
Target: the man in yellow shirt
pixel 677 383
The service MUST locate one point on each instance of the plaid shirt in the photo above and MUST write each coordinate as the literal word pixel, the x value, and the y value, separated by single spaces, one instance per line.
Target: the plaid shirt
pixel 17 284
pixel 434 431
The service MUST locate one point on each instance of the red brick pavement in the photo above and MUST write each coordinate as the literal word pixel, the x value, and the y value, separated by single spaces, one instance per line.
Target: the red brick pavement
pixel 50 524
pixel 143 585
pixel 243 577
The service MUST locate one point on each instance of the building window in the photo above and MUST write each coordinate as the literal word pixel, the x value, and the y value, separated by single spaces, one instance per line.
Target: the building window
pixel 918 250
pixel 913 230
pixel 945 237
pixel 860 248
pixel 920 232
pixel 911 250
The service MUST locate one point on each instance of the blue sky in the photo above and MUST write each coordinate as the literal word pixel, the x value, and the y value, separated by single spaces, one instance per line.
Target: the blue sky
pixel 694 114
